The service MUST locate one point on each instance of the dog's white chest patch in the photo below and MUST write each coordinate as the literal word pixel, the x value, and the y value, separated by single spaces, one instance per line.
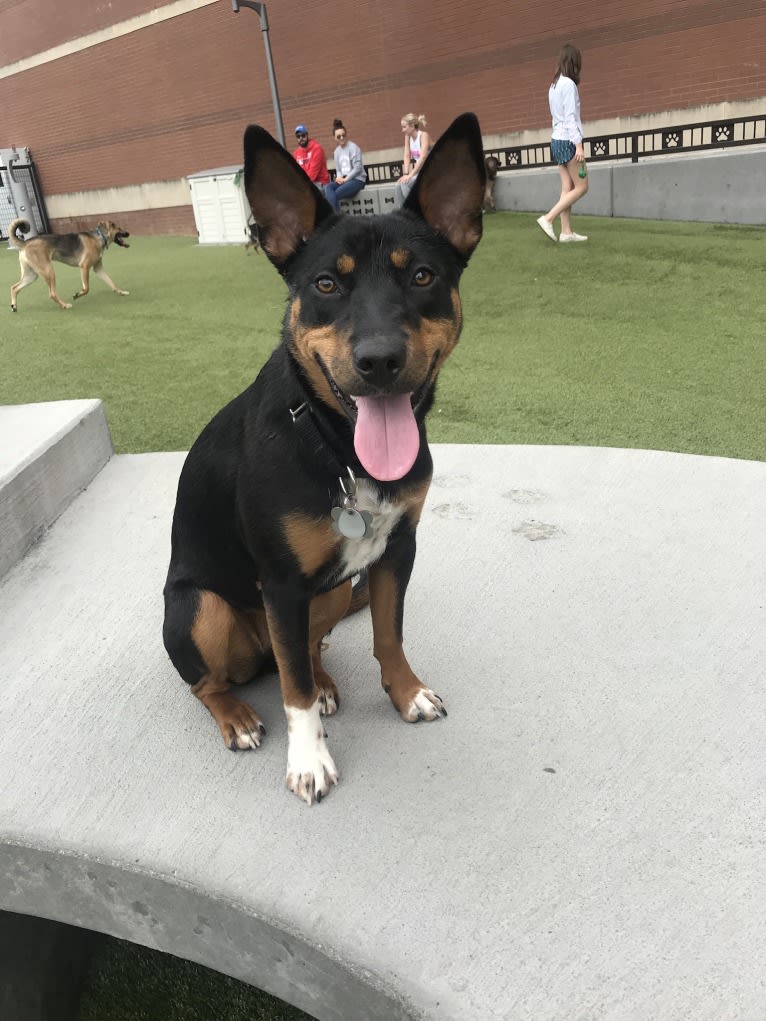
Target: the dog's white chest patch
pixel 359 553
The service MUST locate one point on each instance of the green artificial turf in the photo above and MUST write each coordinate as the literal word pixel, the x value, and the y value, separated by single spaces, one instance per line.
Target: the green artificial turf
pixel 132 983
pixel 649 335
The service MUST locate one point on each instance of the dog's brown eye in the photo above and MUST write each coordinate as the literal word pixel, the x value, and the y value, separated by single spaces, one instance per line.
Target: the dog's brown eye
pixel 326 285
pixel 422 277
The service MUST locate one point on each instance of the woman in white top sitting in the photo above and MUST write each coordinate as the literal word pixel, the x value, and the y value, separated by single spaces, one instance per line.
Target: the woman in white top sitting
pixel 417 143
pixel 566 143
pixel 350 175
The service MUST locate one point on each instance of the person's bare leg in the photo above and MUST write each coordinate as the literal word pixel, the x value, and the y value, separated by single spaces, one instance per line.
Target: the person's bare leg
pixel 580 187
pixel 567 184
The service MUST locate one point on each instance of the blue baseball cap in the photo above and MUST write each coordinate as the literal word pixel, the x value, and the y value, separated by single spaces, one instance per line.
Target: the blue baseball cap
pixel 301 129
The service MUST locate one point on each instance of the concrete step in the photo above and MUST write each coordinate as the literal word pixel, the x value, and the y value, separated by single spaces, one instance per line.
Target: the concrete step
pixel 48 454
pixel 581 837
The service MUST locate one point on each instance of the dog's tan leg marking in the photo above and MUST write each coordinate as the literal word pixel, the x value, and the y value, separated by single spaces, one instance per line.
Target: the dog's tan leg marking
pixel 231 647
pixel 326 611
pixel 310 767
pixel 311 542
pixel 84 271
pixel 102 274
pixel 28 276
pixel 50 278
pixel 43 269
pixel 410 696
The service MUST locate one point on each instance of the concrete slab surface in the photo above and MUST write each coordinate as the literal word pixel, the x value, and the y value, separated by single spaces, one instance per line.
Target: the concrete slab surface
pixel 49 452
pixel 582 838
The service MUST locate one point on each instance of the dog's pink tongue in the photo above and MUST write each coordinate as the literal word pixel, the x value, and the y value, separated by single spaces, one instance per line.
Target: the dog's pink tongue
pixel 386 437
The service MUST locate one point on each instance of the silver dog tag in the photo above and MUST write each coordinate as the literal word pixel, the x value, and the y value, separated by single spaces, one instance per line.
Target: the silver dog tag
pixel 347 520
pixel 351 523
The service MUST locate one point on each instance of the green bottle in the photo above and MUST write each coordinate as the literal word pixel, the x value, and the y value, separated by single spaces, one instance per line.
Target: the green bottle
pixel 583 170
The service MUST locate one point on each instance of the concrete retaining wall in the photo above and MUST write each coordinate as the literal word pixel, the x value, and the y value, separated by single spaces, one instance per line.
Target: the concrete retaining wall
pixel 50 452
pixel 721 187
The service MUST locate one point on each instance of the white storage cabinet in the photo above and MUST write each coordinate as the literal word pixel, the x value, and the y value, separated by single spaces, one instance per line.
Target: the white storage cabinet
pixel 220 207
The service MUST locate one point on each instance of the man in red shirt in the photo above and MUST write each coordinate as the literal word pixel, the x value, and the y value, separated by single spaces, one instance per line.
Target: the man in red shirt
pixel 310 155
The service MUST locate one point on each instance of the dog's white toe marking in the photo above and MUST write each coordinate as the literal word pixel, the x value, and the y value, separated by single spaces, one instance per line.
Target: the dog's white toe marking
pixel 249 740
pixel 327 704
pixel 426 705
pixel 310 768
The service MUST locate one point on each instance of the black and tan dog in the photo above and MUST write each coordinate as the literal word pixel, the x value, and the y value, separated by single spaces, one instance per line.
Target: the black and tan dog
pixel 320 468
pixel 85 250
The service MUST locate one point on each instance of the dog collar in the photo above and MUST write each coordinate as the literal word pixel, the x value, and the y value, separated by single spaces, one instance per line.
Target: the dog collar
pixel 347 520
pixel 313 425
pixel 103 236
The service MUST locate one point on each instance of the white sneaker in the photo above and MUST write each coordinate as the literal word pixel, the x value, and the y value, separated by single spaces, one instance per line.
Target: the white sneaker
pixel 572 237
pixel 547 227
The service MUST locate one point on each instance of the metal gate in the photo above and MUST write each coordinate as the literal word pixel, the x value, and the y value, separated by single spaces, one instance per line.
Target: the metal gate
pixel 20 194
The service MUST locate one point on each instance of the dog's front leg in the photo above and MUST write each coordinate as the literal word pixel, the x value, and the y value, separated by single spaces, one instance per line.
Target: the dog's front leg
pixel 310 768
pixel 102 274
pixel 85 279
pixel 388 580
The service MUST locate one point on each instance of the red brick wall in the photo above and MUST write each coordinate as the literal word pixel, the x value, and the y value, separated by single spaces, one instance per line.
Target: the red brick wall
pixel 29 28
pixel 174 98
pixel 178 220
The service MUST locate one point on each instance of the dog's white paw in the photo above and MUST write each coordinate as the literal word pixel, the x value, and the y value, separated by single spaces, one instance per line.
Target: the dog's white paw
pixel 328 702
pixel 424 705
pixel 310 768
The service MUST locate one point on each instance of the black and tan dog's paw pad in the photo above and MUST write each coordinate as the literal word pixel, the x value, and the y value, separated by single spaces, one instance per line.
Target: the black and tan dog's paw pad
pixel 424 705
pixel 242 729
pixel 312 786
pixel 328 701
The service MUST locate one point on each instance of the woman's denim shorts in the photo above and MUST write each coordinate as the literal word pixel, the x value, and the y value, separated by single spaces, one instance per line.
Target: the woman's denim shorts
pixel 562 150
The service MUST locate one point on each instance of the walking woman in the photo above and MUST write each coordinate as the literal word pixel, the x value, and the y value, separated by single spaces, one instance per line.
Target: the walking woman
pixel 566 143
pixel 350 175
pixel 417 143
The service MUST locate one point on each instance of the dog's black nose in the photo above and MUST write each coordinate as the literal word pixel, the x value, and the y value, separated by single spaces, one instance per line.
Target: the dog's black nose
pixel 379 362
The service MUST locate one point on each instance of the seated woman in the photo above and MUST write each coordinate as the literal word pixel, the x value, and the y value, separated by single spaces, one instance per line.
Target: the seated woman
pixel 350 175
pixel 417 143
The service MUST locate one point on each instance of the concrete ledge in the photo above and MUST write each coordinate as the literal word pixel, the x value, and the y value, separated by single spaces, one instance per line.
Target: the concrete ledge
pixel 48 454
pixel 717 187
pixel 575 840
pixel 714 188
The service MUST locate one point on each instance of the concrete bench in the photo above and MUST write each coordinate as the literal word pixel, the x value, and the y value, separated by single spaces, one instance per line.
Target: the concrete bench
pixel 581 837
pixel 371 200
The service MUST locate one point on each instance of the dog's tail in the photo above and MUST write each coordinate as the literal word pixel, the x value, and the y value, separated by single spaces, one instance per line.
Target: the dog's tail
pixel 17 230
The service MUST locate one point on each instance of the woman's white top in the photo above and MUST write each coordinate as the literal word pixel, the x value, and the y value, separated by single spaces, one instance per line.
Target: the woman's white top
pixel 564 101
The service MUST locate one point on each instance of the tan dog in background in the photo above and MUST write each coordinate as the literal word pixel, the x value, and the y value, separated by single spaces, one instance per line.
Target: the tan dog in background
pixel 253 241
pixel 492 165
pixel 85 250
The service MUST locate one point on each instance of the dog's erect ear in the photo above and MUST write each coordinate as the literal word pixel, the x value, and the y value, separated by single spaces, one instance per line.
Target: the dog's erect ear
pixel 285 204
pixel 449 190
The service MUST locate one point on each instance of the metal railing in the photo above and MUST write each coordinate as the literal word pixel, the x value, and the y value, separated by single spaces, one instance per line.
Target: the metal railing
pixel 627 145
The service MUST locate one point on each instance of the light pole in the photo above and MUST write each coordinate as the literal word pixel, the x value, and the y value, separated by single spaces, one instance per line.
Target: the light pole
pixel 260 10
